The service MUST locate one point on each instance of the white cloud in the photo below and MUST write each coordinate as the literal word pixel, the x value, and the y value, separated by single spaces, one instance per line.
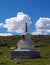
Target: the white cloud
pixel 17 24
pixel 5 34
pixel 37 33
pixel 1 24
pixel 42 26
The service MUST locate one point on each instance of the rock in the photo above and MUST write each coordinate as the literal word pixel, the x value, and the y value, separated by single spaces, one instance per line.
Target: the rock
pixel 1 62
pixel 17 62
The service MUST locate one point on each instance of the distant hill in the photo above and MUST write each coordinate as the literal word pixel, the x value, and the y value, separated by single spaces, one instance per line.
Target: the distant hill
pixel 41 39
pixel 37 39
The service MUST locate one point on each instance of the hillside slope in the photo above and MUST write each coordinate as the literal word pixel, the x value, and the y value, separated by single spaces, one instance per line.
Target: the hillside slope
pixel 39 39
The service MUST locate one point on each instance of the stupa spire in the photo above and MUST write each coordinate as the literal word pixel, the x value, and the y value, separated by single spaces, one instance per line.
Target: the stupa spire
pixel 26 27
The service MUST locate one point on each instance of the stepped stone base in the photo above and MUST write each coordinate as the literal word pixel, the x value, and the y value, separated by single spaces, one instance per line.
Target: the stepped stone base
pixel 24 54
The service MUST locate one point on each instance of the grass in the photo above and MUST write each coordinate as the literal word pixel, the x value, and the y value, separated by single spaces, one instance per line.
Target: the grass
pixel 44 51
pixel 45 60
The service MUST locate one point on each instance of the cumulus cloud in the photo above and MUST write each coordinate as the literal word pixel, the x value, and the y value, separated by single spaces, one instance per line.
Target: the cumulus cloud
pixel 1 24
pixel 37 33
pixel 17 24
pixel 42 26
pixel 5 34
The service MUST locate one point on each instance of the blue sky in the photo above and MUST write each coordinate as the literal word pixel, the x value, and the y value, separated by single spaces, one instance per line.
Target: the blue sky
pixel 36 9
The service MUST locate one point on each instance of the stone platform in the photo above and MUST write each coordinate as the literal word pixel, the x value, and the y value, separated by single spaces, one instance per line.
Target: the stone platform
pixel 24 54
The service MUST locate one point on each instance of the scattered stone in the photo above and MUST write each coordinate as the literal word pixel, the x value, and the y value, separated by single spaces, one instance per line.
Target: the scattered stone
pixel 1 62
pixel 12 48
pixel 15 59
pixel 17 62
pixel 5 56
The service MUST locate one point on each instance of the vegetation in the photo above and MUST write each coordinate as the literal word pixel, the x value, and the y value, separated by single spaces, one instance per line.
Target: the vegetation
pixel 42 43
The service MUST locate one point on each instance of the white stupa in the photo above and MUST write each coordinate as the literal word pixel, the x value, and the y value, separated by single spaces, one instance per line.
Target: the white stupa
pixel 25 47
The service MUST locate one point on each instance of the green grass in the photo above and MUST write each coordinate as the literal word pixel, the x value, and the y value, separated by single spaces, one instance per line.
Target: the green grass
pixel 38 40
pixel 45 60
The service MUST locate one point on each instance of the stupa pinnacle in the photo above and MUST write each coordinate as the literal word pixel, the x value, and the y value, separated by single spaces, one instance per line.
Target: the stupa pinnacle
pixel 26 28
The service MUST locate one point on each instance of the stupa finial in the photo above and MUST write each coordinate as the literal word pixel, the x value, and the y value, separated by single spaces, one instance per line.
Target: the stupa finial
pixel 26 28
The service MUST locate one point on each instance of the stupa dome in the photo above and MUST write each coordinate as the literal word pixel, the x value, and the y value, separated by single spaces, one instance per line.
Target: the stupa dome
pixel 25 44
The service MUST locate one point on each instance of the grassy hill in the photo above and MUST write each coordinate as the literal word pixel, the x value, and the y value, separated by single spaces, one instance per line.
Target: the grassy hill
pixel 37 39
pixel 42 43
